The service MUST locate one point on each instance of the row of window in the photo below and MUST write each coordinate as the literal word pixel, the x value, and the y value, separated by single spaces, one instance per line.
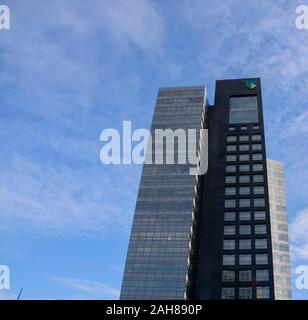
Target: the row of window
pixel 244 127
pixel 256 178
pixel 244 203
pixel 244 167
pixel 245 216
pixel 244 244
pixel 232 191
pixel 245 293
pixel 244 229
pixel 244 147
pixel 244 157
pixel 244 138
pixel 244 259
pixel 245 275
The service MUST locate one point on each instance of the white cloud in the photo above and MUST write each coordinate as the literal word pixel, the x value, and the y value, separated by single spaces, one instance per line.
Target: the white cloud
pixel 298 124
pixel 61 199
pixel 51 180
pixel 138 21
pixel 91 288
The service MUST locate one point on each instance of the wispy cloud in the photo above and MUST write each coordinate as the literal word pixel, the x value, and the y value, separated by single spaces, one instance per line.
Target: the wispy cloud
pixel 136 21
pixel 91 289
pixel 49 199
pixel 51 179
pixel 298 124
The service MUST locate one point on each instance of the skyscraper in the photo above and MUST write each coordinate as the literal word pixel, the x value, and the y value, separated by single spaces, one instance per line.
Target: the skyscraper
pixel 159 247
pixel 279 230
pixel 222 234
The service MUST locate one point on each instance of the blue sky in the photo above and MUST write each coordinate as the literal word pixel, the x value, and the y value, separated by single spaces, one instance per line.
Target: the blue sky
pixel 69 69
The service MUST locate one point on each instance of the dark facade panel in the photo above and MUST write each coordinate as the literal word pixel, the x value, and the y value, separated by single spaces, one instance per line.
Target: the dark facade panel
pixel 240 201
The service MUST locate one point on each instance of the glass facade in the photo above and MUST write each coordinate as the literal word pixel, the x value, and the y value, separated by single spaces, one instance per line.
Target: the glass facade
pixel 160 245
pixel 279 229
pixel 243 110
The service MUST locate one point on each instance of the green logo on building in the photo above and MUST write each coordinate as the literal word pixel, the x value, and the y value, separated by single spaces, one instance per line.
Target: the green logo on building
pixel 251 84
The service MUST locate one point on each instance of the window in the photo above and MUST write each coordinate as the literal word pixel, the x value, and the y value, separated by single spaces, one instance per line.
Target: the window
pixel 243 127
pixel 260 229
pixel 231 157
pixel 244 179
pixel 244 167
pixel 261 244
pixel 259 215
pixel 229 216
pixel 244 147
pixel 245 244
pixel 230 179
pixel 257 147
pixel 262 275
pixel 258 190
pixel 228 276
pixel 262 258
pixel 257 167
pixel 228 293
pixel 256 127
pixel 231 138
pixel 244 157
pixel 263 293
pixel 230 191
pixel 244 203
pixel 257 157
pixel 258 178
pixel 244 190
pixel 245 293
pixel 230 203
pixel 259 202
pixel 245 216
pixel 244 259
pixel 245 229
pixel 230 168
pixel 229 245
pixel 231 128
pixel 245 275
pixel 228 260
pixel 229 230
pixel 231 148
pixel 244 138
pixel 243 109
pixel 256 137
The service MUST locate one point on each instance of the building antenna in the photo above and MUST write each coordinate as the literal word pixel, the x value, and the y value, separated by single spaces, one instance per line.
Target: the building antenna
pixel 19 295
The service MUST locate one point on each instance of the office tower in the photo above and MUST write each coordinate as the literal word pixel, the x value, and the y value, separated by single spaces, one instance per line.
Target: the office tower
pixel 159 247
pixel 220 235
pixel 279 229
